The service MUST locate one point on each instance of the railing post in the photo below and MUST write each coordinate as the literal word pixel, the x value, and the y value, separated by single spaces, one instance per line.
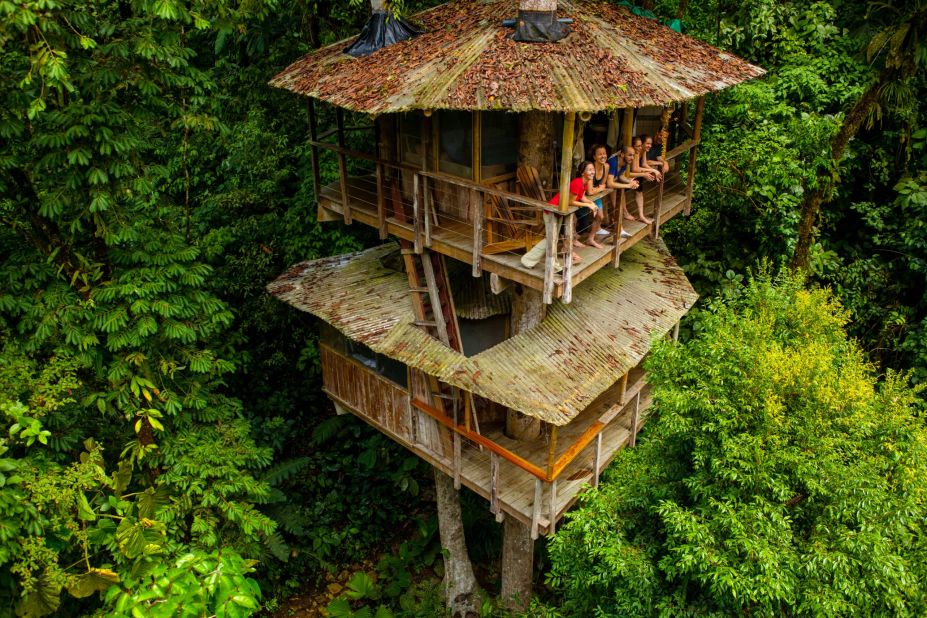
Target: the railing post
pixel 381 204
pixel 536 507
pixel 553 507
pixel 427 205
pixel 597 460
pixel 314 150
pixel 417 213
pixel 619 228
pixel 570 226
pixel 477 232
pixel 658 208
pixel 635 418
pixel 342 166
pixel 551 231
pixel 696 137
pixel 494 507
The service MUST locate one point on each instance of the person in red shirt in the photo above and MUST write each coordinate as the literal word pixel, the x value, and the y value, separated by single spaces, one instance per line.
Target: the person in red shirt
pixel 587 208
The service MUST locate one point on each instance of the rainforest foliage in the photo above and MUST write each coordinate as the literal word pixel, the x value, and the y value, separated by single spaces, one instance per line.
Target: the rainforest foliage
pixel 165 447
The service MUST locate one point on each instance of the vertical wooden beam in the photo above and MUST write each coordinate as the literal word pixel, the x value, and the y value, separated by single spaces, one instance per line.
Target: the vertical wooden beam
pixel 457 439
pixel 468 410
pixel 627 126
pixel 552 452
pixel 635 418
pixel 676 332
pixel 623 388
pixel 417 213
pixel 435 296
pixel 553 507
pixel 342 166
pixel 314 150
pixel 381 204
pixel 426 208
pixel 536 507
pixel 597 460
pixel 696 137
pixel 619 228
pixel 477 211
pixel 494 484
pixel 566 159
pixel 657 208
pixel 551 232
pixel 569 230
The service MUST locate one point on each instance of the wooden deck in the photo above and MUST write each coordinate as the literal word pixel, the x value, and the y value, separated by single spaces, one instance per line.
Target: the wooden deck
pixel 454 237
pixel 386 406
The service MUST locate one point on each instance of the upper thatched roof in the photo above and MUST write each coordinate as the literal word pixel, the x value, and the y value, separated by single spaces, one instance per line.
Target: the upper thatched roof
pixel 551 372
pixel 465 60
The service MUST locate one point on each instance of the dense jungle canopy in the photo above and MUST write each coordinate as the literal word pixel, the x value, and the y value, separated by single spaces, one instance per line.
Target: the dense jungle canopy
pixel 165 447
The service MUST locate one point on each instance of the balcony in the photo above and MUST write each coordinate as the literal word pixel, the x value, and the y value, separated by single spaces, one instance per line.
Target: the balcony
pixel 490 226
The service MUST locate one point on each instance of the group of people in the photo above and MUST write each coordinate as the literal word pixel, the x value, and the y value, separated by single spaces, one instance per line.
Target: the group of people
pixel 630 167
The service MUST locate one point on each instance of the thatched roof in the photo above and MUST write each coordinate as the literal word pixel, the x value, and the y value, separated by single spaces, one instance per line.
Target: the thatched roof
pixel 551 372
pixel 465 60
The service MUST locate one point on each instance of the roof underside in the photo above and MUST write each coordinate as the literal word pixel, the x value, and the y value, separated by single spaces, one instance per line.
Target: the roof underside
pixel 465 60
pixel 551 372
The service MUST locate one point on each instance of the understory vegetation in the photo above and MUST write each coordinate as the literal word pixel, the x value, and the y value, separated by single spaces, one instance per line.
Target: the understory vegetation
pixel 165 446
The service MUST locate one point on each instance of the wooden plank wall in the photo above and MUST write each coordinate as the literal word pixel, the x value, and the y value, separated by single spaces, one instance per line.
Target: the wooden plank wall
pixel 383 401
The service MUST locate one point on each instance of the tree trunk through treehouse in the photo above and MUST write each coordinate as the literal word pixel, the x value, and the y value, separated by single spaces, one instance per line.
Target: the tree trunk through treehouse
pixel 528 310
pixel 537 5
pixel 461 594
pixel 536 144
pixel 517 565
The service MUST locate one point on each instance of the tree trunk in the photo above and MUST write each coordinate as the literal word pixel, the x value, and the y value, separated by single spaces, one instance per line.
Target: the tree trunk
pixel 461 593
pixel 528 310
pixel 536 143
pixel 517 565
pixel 811 205
pixel 537 5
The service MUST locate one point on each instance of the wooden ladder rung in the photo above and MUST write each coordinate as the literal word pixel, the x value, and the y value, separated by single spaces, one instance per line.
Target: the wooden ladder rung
pixel 431 323
pixel 408 252
pixel 442 395
pixel 419 290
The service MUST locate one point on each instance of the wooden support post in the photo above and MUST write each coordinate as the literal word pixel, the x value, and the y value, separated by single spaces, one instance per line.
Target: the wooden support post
pixel 536 508
pixel 342 166
pixel 552 452
pixel 381 204
pixel 635 418
pixel 475 202
pixel 696 137
pixel 569 229
pixel 435 296
pixel 623 388
pixel 657 209
pixel 551 231
pixel 314 150
pixel 426 208
pixel 417 213
pixel 627 126
pixel 676 332
pixel 619 228
pixel 468 410
pixel 566 159
pixel 597 460
pixel 494 484
pixel 553 507
pixel 457 439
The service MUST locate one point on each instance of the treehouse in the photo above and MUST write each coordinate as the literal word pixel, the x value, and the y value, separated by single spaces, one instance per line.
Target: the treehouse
pixel 519 382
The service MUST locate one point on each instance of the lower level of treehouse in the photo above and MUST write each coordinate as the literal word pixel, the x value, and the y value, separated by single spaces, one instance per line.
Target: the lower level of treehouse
pixel 574 377
pixel 534 481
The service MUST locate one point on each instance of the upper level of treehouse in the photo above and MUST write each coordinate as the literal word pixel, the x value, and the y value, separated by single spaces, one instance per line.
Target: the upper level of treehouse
pixel 456 139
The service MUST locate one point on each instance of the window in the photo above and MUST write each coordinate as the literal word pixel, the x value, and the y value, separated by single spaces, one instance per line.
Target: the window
pixel 455 143
pixel 498 144
pixel 410 138
pixel 383 365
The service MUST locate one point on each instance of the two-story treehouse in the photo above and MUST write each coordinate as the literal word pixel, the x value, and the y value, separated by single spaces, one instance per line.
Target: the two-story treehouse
pixel 433 339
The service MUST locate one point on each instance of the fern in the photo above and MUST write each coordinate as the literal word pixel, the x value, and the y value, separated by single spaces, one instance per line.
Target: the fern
pixel 284 470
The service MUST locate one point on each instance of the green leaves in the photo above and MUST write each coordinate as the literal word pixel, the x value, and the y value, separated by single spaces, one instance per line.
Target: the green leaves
pixel 768 482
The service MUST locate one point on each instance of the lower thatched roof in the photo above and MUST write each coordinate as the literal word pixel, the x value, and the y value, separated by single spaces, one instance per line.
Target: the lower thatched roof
pixel 551 372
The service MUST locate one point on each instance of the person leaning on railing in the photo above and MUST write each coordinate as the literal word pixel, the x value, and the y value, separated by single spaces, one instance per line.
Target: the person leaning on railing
pixel 618 178
pixel 644 173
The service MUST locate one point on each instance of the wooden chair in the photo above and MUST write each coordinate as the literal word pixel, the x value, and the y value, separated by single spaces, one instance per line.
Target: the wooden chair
pixel 518 227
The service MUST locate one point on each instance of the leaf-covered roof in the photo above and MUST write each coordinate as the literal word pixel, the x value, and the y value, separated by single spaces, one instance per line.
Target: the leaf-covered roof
pixel 552 371
pixel 465 60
